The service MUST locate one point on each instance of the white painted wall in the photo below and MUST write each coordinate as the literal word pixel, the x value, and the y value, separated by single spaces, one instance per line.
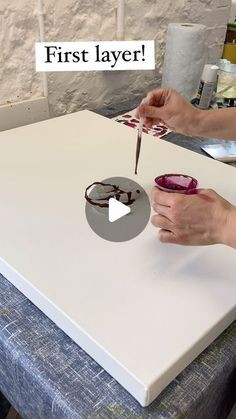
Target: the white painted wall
pixel 73 20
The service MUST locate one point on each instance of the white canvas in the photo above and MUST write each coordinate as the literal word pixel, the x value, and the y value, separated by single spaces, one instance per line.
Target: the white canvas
pixel 141 309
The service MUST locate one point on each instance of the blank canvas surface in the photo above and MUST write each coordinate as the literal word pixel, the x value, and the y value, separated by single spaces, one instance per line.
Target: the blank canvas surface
pixel 141 309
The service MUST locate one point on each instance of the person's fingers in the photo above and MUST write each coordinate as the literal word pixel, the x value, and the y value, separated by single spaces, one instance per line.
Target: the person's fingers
pixel 164 198
pixel 162 222
pixel 157 97
pixel 137 114
pixel 151 107
pixel 203 191
pixel 207 195
pixel 149 122
pixel 137 111
pixel 153 98
pixel 150 97
pixel 157 196
pixel 166 236
pixel 162 210
pixel 152 112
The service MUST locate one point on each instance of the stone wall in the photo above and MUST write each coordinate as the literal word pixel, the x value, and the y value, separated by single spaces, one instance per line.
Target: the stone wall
pixel 73 20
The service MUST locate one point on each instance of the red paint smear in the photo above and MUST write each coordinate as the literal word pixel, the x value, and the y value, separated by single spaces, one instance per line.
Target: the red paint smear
pixel 129 124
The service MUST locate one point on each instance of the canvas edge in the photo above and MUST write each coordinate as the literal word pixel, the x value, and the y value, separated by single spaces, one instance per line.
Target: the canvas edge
pixel 124 377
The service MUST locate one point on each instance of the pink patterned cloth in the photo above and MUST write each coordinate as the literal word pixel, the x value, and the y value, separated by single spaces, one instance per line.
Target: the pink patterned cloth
pixel 158 130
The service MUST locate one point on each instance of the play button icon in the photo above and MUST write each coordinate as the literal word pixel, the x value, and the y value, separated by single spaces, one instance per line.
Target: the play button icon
pixel 117 210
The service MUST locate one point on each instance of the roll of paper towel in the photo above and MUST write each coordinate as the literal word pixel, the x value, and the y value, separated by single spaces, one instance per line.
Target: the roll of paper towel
pixel 185 57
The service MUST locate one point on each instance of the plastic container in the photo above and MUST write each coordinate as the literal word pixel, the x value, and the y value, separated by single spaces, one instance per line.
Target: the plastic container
pixel 177 183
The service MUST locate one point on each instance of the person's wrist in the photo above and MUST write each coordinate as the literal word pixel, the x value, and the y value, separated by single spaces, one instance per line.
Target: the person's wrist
pixel 227 234
pixel 195 122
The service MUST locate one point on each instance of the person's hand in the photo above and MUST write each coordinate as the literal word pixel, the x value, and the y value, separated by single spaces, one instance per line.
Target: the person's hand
pixel 170 108
pixel 200 219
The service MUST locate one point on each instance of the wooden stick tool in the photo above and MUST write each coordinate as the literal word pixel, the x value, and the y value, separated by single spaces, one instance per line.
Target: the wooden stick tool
pixel 139 141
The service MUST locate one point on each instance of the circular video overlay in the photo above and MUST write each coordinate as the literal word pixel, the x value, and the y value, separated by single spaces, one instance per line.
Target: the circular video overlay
pixel 117 209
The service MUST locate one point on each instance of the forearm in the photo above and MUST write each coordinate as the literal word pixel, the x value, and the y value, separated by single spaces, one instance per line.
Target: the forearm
pixel 220 123
pixel 229 231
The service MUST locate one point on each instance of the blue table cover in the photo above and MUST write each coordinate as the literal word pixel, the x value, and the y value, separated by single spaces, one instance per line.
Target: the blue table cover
pixel 44 374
